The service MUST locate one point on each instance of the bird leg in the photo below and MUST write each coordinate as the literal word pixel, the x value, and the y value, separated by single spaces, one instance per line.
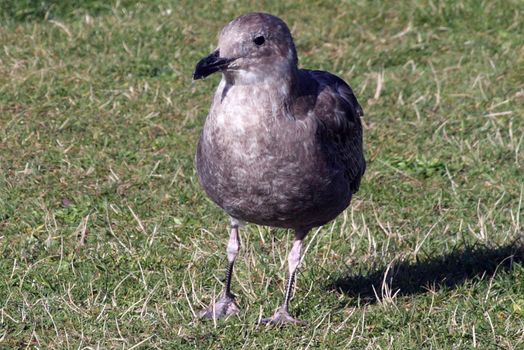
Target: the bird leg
pixel 282 316
pixel 226 304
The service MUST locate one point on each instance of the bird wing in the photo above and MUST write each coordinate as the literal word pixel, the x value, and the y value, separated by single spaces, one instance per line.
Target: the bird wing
pixel 339 113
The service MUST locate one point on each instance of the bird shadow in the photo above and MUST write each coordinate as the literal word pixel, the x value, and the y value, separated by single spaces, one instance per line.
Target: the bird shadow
pixel 446 271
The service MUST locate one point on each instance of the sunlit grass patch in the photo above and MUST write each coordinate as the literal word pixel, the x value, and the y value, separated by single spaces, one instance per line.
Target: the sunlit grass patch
pixel 107 240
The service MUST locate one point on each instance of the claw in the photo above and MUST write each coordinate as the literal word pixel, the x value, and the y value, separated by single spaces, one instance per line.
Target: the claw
pixel 223 307
pixel 282 317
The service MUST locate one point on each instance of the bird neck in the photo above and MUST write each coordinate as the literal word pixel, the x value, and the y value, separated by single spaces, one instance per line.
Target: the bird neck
pixel 276 81
pixel 282 72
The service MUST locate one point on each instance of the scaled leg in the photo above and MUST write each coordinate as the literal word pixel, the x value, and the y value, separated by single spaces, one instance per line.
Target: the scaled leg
pixel 282 315
pixel 226 304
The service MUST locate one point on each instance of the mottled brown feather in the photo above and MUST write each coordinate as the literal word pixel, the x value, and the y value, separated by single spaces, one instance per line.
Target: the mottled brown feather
pixel 281 146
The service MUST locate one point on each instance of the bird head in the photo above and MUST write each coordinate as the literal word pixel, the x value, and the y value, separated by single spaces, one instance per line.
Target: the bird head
pixel 251 48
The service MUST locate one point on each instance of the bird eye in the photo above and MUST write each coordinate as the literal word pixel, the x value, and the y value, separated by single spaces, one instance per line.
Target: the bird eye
pixel 259 40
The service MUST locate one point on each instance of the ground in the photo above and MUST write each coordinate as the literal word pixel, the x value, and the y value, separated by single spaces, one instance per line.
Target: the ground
pixel 107 240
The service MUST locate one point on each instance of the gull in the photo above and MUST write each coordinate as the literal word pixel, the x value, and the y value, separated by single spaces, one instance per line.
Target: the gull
pixel 281 146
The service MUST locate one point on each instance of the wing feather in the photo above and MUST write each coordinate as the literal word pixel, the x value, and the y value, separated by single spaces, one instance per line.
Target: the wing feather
pixel 339 114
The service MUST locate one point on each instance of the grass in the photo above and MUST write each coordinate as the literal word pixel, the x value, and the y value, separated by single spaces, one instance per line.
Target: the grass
pixel 107 240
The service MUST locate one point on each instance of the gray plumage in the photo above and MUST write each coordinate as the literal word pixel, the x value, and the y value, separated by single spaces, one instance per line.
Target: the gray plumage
pixel 281 146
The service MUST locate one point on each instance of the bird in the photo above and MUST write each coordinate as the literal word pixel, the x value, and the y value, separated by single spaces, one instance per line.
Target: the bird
pixel 281 146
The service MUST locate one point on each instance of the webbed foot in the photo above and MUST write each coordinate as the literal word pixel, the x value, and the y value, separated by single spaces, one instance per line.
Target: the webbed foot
pixel 225 306
pixel 281 317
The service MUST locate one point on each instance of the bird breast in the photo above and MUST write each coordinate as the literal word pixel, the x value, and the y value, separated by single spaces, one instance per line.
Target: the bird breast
pixel 249 163
pixel 252 130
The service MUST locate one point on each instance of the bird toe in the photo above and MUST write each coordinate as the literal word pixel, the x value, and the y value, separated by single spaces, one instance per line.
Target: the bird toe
pixel 282 317
pixel 223 307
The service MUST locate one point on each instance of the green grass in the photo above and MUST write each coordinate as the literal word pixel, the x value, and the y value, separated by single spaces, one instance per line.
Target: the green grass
pixel 107 240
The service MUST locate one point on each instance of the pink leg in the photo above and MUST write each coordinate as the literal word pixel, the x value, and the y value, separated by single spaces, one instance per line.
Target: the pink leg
pixel 226 304
pixel 282 315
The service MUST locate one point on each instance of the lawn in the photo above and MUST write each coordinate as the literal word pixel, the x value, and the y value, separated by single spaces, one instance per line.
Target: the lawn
pixel 108 241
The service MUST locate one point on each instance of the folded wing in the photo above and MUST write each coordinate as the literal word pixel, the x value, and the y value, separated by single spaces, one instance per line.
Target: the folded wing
pixel 340 126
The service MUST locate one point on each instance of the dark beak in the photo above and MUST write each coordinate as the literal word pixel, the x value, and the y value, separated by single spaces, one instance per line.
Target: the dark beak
pixel 210 64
